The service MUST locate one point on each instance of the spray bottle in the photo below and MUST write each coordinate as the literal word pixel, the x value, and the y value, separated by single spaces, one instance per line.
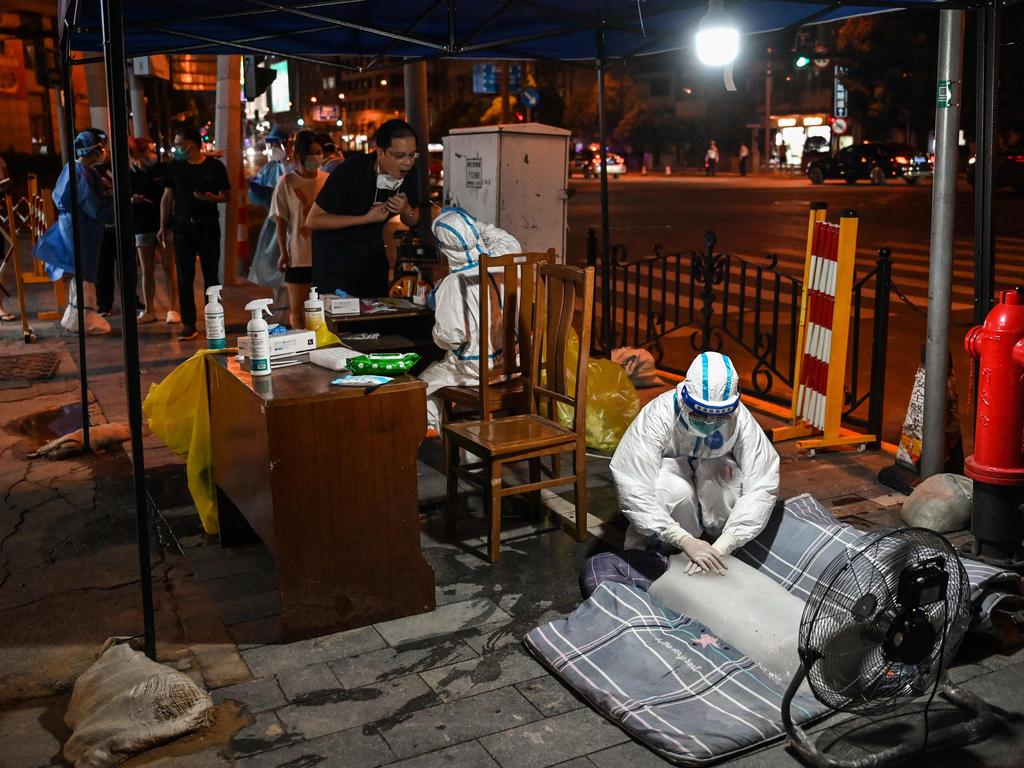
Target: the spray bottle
pixel 314 310
pixel 259 338
pixel 214 312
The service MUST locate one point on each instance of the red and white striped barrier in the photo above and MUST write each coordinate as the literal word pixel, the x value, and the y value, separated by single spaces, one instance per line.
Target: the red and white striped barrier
pixel 821 295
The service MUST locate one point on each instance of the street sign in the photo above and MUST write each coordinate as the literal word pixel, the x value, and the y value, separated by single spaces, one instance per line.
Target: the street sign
pixel 530 98
pixel 840 126
pixel 839 94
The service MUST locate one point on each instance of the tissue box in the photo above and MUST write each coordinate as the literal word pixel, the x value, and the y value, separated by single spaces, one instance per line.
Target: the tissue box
pixel 290 343
pixel 335 305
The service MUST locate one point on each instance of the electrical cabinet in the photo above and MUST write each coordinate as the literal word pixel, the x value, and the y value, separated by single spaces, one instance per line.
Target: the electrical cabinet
pixel 513 176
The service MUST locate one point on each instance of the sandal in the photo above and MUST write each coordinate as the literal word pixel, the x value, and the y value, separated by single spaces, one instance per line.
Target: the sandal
pixel 7 317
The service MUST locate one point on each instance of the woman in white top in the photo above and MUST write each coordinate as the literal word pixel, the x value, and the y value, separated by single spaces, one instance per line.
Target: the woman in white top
pixel 293 197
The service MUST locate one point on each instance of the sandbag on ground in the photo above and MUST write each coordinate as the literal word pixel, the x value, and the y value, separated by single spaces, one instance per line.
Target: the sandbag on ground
pixel 124 704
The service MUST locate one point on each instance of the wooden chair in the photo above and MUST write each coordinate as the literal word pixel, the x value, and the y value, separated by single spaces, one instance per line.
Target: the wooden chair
pixel 503 383
pixel 531 436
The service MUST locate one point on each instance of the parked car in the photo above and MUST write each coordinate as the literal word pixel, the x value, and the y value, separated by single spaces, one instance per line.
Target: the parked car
pixel 588 164
pixel 875 162
pixel 1009 168
pixel 815 148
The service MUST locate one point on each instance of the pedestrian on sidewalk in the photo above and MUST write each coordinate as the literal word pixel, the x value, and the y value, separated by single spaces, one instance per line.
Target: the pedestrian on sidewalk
pixel 744 159
pixel 193 187
pixel 147 182
pixel 711 159
pixel 55 248
pixel 694 471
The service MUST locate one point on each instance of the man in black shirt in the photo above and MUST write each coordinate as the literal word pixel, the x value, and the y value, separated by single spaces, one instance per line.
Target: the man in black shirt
pixel 194 184
pixel 348 216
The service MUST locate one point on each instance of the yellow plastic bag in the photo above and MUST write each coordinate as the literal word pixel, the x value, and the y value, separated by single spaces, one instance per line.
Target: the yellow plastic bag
pixel 612 402
pixel 178 412
pixel 324 337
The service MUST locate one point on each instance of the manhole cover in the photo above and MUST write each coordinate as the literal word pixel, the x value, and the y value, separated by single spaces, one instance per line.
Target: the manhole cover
pixel 38 365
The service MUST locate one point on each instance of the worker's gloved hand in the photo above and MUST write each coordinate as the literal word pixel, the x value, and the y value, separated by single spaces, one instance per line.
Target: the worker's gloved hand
pixel 703 557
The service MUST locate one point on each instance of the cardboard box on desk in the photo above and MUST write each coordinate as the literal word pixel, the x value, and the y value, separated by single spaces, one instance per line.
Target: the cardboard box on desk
pixel 336 305
pixel 281 344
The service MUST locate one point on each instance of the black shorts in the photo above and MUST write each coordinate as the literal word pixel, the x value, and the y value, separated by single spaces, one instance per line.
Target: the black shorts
pixel 302 275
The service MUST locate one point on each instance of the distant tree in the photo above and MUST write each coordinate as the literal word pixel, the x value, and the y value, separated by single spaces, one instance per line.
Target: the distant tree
pixel 624 109
pixel 890 72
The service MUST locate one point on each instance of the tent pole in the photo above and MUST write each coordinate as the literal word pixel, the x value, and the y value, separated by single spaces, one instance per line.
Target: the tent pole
pixel 68 95
pixel 419 118
pixel 113 53
pixel 947 124
pixel 602 129
pixel 988 23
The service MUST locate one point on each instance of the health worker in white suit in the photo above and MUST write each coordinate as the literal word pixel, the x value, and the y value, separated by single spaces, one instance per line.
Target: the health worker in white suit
pixel 462 239
pixel 694 471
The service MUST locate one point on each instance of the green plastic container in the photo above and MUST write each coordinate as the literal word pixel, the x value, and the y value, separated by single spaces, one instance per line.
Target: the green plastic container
pixel 386 363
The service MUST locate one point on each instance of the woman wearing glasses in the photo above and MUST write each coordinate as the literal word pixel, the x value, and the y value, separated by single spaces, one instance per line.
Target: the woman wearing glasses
pixel 348 216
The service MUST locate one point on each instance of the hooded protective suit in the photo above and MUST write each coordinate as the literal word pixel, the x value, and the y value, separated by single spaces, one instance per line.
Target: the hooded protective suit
pixel 462 239
pixel 694 461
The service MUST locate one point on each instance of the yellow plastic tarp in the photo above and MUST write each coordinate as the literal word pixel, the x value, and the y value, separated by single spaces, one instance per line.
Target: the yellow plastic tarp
pixel 178 412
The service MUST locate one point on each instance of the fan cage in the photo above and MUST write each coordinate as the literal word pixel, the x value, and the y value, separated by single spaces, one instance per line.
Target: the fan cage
pixel 852 609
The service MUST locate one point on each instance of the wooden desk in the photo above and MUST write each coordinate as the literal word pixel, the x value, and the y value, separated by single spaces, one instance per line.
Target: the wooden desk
pixel 415 326
pixel 326 477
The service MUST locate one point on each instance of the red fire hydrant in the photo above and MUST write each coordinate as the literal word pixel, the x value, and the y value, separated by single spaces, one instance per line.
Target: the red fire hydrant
pixel 997 464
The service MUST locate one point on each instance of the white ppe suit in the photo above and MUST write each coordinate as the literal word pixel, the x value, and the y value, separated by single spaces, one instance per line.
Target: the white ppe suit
pixel 680 472
pixel 462 240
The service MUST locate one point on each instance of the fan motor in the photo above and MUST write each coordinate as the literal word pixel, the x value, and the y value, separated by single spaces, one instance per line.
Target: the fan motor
pixel 910 638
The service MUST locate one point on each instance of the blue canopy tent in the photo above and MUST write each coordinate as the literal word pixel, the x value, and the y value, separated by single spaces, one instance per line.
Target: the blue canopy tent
pixel 590 32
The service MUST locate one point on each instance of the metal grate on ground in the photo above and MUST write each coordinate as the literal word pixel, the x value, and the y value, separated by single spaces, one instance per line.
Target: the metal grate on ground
pixel 37 365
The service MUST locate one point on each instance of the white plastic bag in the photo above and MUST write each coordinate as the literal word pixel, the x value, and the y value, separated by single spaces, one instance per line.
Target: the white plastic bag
pixel 942 503
pixel 639 366
pixel 124 704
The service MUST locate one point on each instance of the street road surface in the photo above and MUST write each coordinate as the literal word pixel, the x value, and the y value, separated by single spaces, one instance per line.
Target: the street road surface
pixel 757 215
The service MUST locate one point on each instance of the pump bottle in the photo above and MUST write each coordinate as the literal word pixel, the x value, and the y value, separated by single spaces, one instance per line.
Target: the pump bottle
pixel 314 310
pixel 214 313
pixel 259 338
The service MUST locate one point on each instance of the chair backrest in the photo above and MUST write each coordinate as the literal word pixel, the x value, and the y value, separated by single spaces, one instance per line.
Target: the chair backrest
pixel 565 301
pixel 508 292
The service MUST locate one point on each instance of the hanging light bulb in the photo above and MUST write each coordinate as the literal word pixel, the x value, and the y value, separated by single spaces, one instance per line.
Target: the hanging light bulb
pixel 718 40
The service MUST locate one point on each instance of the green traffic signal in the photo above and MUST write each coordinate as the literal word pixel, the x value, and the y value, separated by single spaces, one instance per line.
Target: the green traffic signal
pixel 801 60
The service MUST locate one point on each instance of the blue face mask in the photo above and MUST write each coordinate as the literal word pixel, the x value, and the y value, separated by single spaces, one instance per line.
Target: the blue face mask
pixel 179 154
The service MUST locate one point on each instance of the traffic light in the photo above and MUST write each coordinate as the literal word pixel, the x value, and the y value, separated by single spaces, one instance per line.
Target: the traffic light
pixel 256 79
pixel 801 59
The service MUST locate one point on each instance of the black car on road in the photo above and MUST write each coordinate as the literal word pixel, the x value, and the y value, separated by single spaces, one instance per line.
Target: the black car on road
pixel 876 163
pixel 1008 171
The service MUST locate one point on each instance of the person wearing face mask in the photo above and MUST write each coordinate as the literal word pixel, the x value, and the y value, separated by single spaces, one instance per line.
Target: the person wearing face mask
pixel 333 157
pixel 348 216
pixel 293 197
pixel 193 186
pixel 147 183
pixel 55 248
pixel 694 471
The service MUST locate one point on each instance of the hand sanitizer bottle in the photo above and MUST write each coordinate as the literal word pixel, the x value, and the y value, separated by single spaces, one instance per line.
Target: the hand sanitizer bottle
pixel 314 310
pixel 259 338
pixel 214 312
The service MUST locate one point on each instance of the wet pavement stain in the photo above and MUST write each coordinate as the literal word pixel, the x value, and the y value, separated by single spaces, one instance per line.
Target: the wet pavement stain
pixel 332 696
pixel 228 719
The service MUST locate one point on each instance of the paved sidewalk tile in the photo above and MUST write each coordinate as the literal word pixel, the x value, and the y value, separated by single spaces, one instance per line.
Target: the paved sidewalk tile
pixel 554 740
pixel 24 740
pixel 255 695
pixel 444 620
pixel 549 696
pixel 506 666
pixel 338 710
pixel 464 720
pixel 271 659
pixel 579 762
pixel 632 754
pixel 469 755
pixel 387 663
pixel 264 733
pixel 347 749
pixel 299 683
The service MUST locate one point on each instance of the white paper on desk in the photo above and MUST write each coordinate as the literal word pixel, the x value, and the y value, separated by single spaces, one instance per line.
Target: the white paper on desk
pixel 332 358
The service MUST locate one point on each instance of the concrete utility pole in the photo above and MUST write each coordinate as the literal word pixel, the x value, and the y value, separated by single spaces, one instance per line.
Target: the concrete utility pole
pixel 228 137
pixel 940 272
pixel 140 121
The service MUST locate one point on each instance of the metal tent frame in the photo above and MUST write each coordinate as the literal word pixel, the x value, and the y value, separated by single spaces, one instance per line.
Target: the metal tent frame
pixel 417 30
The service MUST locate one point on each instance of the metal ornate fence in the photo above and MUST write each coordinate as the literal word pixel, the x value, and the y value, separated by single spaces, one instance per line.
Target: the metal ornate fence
pixel 739 301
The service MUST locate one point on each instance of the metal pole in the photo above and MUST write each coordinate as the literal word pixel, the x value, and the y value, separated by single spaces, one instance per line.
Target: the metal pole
pixel 879 344
pixel 416 112
pixel 947 123
pixel 767 111
pixel 113 54
pixel 68 96
pixel 606 237
pixel 984 178
pixel 228 136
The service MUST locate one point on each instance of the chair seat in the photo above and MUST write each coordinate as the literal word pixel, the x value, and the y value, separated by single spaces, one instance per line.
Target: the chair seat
pixel 501 394
pixel 512 434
